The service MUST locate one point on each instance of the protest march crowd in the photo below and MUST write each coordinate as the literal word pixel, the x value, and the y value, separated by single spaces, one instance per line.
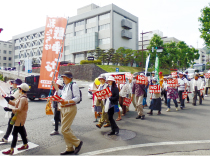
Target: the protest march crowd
pixel 110 95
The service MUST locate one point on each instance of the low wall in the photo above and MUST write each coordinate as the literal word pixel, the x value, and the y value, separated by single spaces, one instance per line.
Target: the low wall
pixel 86 72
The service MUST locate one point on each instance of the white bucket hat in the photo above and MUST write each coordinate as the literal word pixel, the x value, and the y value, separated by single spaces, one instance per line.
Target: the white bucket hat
pixel 110 78
pixel 59 82
pixel 24 86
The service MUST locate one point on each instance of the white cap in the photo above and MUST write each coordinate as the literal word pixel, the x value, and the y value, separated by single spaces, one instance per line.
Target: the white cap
pixel 59 82
pixel 110 78
pixel 142 74
pixel 24 86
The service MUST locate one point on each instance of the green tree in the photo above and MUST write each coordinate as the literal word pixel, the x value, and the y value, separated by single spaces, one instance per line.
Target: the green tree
pixel 103 56
pixel 129 57
pixel 109 54
pixel 97 53
pixel 91 52
pixel 205 24
pixel 116 58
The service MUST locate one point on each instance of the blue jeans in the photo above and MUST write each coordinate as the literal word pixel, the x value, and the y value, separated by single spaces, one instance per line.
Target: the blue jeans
pixel 145 99
pixel 169 100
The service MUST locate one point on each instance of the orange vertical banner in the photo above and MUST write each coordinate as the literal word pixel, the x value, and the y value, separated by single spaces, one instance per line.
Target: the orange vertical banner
pixel 53 44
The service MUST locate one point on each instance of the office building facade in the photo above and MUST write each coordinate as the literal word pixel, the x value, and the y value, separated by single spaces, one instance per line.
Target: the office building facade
pixel 6 54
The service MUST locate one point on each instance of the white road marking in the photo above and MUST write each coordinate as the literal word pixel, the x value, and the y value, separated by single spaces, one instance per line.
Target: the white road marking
pixel 145 145
pixel 1 132
pixel 30 144
pixel 10 139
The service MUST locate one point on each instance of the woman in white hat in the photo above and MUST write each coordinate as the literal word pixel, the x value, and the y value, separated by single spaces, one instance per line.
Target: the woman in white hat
pixel 57 116
pixel 21 109
pixel 113 101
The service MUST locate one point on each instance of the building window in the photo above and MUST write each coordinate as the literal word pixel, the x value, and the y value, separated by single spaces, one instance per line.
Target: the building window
pixel 104 41
pixel 4 64
pixel 80 23
pixel 10 58
pixel 104 16
pixel 10 65
pixel 77 33
pixel 79 55
pixel 16 56
pixel 5 45
pixel 91 20
pixel 70 26
pixel 5 51
pixel 93 29
pixel 4 58
pixel 10 46
pixel 104 27
pixel 69 35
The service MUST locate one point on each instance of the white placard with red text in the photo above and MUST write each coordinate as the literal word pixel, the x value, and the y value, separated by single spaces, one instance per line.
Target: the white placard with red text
pixel 119 78
pixel 141 79
pixel 172 83
pixel 207 75
pixel 54 98
pixel 127 102
pixel 103 94
pixel 129 76
pixel 174 74
pixel 184 95
pixel 154 89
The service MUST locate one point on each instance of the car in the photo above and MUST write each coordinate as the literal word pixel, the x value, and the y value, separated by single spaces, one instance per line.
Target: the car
pixel 191 72
pixel 13 68
pixel 34 91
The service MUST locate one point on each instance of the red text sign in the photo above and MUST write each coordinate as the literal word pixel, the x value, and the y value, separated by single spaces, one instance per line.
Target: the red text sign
pixel 129 76
pixel 141 79
pixel 207 75
pixel 172 83
pixel 154 89
pixel 184 95
pixel 174 74
pixel 127 102
pixel 119 78
pixel 54 98
pixel 103 94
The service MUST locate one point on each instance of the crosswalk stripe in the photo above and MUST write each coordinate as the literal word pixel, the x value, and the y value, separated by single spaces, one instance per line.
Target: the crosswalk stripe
pixel 30 144
pixel 1 132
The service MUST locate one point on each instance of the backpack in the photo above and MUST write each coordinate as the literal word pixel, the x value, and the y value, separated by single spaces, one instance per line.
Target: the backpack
pixel 73 93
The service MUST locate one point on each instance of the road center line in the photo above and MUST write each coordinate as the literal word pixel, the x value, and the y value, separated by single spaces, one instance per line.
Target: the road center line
pixel 145 145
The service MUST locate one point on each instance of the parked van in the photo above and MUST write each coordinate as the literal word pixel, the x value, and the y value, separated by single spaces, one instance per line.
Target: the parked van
pixel 191 72
pixel 34 91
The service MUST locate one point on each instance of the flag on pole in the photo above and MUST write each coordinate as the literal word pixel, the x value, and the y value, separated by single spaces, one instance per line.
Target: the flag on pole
pixel 157 68
pixel 53 45
pixel 147 64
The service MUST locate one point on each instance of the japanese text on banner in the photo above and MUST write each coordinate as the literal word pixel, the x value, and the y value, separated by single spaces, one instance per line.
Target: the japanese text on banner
pixel 184 95
pixel 154 89
pixel 129 76
pixel 174 74
pixel 103 94
pixel 207 75
pixel 141 79
pixel 53 44
pixel 172 83
pixel 119 79
pixel 127 102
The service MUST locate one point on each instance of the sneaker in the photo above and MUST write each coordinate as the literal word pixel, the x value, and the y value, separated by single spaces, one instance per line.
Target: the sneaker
pixel 177 108
pixel 206 95
pixel 23 148
pixel 138 117
pixel 54 133
pixel 9 152
pixel 4 140
pixel 168 110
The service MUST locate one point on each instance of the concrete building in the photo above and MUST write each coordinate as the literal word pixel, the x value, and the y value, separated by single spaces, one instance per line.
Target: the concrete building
pixel 6 54
pixel 105 27
pixel 203 59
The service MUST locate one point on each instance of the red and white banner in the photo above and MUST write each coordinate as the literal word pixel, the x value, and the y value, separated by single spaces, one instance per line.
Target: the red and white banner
pixel 174 74
pixel 184 95
pixel 119 78
pixel 207 75
pixel 53 98
pixel 129 76
pixel 141 79
pixel 154 89
pixel 127 102
pixel 53 42
pixel 103 94
pixel 172 83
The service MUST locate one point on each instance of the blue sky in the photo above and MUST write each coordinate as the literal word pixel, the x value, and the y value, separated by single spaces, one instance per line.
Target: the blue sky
pixel 175 18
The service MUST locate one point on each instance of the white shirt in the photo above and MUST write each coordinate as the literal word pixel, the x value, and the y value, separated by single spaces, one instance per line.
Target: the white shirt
pixel 66 93
pixel 182 82
pixel 125 90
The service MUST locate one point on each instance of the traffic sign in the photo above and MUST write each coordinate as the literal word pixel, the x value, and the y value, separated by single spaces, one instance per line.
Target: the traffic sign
pixel 117 69
pixel 159 50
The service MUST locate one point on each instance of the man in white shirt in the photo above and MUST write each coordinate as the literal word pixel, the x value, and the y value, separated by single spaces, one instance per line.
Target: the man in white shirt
pixel 68 112
pixel 182 85
pixel 197 85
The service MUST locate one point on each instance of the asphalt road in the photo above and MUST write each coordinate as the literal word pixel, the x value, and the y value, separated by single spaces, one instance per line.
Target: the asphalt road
pixel 176 132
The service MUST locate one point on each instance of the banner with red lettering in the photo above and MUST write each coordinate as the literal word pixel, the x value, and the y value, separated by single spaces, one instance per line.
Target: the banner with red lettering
pixel 154 89
pixel 53 42
pixel 119 78
pixel 53 98
pixel 207 75
pixel 172 83
pixel 103 94
pixel 184 95
pixel 127 102
pixel 129 76
pixel 173 74
pixel 141 79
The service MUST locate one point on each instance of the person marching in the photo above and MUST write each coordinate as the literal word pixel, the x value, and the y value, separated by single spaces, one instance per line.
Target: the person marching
pixel 145 95
pixel 164 89
pixel 20 109
pixel 188 86
pixel 138 94
pixel 131 85
pixel 207 85
pixel 100 104
pixel 172 93
pixel 182 86
pixel 112 101
pixel 57 115
pixel 71 96
pixel 156 100
pixel 15 94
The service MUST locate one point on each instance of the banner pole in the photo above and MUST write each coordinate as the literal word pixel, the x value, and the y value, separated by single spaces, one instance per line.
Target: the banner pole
pixel 64 36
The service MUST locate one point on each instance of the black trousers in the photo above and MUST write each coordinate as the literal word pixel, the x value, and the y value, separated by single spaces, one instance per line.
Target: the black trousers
pixel 114 126
pixel 9 128
pixel 197 92
pixel 180 98
pixel 21 131
pixel 207 90
pixel 57 118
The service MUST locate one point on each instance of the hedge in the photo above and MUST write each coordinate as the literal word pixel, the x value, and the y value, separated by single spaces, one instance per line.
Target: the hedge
pixel 97 62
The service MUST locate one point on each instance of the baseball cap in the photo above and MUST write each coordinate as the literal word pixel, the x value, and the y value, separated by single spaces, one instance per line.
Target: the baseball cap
pixel 24 86
pixel 153 72
pixel 154 79
pixel 67 74
pixel 17 81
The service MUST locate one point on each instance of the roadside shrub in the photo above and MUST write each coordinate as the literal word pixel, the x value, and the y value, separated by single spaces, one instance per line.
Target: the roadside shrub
pixel 1 77
pixel 96 62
